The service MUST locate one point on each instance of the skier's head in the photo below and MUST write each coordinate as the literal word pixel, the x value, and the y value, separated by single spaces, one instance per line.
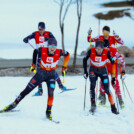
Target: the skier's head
pixel 106 32
pixel 52 45
pixel 99 45
pixel 41 27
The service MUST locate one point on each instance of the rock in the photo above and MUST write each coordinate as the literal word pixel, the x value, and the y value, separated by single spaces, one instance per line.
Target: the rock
pixel 125 51
pixel 83 53
pixel 132 52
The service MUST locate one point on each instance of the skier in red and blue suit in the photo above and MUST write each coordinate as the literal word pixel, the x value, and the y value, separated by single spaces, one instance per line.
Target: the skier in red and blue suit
pixel 41 39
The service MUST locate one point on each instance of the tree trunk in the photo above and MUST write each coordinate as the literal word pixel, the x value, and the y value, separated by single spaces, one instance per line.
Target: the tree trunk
pixel 76 43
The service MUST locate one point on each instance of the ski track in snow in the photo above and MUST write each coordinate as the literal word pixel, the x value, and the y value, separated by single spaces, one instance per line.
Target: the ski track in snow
pixel 67 108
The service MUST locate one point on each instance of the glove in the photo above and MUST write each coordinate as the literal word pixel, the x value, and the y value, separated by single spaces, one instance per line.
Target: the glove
pixel 114 81
pixel 115 35
pixel 64 70
pixel 32 68
pixel 89 31
pixel 85 75
pixel 25 40
pixel 123 76
pixel 112 61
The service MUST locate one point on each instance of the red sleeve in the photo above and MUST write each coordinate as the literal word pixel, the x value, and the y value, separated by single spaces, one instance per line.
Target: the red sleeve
pixel 119 57
pixel 101 37
pixel 119 41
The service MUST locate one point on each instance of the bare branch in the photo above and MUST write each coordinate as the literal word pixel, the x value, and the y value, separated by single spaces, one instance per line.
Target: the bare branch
pixel 66 10
pixel 61 8
pixel 57 2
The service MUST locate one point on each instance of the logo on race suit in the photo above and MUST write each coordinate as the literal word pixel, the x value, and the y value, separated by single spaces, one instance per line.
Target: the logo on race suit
pixel 41 38
pixel 33 81
pixel 91 72
pixel 98 59
pixel 50 59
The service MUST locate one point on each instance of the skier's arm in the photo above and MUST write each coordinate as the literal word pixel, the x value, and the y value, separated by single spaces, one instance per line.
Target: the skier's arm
pixel 35 53
pixel 120 59
pixel 85 60
pixel 66 57
pixel 118 40
pixel 31 36
pixel 66 60
pixel 51 35
pixel 92 39
pixel 112 60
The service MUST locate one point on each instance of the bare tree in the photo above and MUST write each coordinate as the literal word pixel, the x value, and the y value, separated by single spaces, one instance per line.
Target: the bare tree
pixel 79 14
pixel 64 6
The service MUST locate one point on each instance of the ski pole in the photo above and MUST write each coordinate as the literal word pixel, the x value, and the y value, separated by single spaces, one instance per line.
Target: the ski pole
pixel 115 40
pixel 90 37
pixel 128 91
pixel 31 45
pixel 99 27
pixel 85 94
pixel 117 102
pixel 63 81
pixel 122 81
pixel 96 89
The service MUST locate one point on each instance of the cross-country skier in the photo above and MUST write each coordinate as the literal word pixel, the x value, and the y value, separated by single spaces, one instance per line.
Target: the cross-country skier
pixel 98 58
pixel 41 39
pixel 110 41
pixel 106 31
pixel 117 56
pixel 49 58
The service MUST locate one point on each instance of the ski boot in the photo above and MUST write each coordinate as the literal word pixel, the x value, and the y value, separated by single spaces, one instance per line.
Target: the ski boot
pixel 121 103
pixel 62 87
pixel 48 113
pixel 39 93
pixel 93 107
pixel 9 107
pixel 102 98
pixel 113 109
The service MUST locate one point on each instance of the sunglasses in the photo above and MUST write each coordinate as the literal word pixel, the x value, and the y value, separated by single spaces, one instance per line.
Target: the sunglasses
pixel 52 46
pixel 105 33
pixel 98 49
pixel 40 29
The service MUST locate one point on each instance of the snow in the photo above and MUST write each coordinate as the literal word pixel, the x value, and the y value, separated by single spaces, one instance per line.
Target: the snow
pixel 67 108
pixel 21 19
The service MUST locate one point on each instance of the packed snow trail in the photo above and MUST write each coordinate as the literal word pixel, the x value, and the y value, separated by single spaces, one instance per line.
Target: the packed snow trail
pixel 67 108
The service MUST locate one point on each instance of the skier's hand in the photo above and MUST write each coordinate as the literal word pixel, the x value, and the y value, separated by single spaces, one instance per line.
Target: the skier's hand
pixel 115 35
pixel 85 75
pixel 114 81
pixel 32 68
pixel 64 70
pixel 123 76
pixel 89 32
pixel 112 60
pixel 25 40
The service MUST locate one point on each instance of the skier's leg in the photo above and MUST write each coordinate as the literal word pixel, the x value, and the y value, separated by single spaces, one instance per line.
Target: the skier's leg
pixel 102 96
pixel 93 78
pixel 40 90
pixel 117 89
pixel 60 84
pixel 31 85
pixel 51 87
pixel 105 81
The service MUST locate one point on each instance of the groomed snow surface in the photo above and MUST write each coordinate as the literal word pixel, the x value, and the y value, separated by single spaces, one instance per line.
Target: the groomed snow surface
pixel 67 108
